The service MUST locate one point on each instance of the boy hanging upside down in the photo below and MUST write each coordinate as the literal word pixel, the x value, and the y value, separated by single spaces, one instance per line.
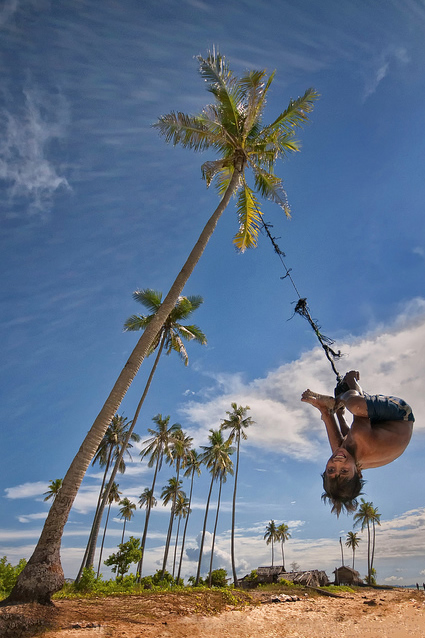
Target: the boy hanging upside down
pixel 380 432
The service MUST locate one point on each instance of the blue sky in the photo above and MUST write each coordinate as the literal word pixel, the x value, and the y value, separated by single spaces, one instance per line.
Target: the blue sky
pixel 95 205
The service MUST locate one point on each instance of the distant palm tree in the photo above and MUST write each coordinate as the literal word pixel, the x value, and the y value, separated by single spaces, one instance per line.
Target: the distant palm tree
pixel 107 453
pixel 181 510
pixel 126 512
pixel 216 458
pixel 113 497
pixel 222 473
pixel 171 493
pixel 366 516
pixel 236 422
pixel 156 447
pixel 352 541
pixel 271 536
pixel 52 492
pixel 192 467
pixel 283 535
pixel 376 520
pixel 179 449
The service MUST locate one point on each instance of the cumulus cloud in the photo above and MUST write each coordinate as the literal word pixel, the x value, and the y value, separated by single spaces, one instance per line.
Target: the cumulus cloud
pixel 391 360
pixel 27 166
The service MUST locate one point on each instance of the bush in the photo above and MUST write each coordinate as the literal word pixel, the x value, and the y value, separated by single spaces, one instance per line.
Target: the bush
pixel 9 575
pixel 218 578
pixel 87 582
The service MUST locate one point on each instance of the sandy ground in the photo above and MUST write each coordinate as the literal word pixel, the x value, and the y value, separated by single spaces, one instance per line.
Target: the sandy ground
pixel 367 613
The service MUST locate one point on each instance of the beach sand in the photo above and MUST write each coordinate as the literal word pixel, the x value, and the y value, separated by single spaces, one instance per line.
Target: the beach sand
pixel 366 613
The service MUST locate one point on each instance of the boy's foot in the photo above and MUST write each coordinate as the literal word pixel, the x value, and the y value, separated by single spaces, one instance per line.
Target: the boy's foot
pixel 321 401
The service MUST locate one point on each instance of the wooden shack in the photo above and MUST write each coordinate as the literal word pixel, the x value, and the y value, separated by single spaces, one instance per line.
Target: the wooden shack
pixel 347 576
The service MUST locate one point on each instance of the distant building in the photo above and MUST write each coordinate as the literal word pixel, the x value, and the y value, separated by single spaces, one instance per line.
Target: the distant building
pixel 347 576
pixel 312 578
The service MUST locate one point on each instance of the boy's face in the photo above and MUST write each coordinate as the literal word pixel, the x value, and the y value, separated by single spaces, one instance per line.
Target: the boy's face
pixel 341 463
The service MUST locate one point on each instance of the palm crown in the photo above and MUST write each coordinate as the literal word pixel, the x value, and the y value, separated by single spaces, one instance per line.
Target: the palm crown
pixel 233 127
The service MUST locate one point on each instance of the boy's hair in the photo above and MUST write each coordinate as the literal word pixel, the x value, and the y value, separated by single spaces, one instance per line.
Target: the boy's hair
pixel 341 492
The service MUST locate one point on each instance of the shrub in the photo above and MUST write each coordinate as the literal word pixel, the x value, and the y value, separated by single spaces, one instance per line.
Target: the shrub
pixel 87 582
pixel 219 578
pixel 9 575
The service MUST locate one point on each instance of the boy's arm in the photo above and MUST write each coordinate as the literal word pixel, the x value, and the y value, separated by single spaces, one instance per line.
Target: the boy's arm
pixel 332 430
pixel 343 426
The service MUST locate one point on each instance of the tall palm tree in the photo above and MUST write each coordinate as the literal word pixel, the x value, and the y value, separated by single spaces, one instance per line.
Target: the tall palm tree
pixel 364 517
pixel 120 430
pixel 232 126
pixel 169 337
pixel 179 449
pixel 53 490
pixel 181 510
pixel 271 536
pixel 352 541
pixel 126 512
pixel 192 467
pixel 237 422
pixel 215 457
pixel 376 520
pixel 171 493
pixel 156 447
pixel 283 535
pixel 113 497
pixel 222 474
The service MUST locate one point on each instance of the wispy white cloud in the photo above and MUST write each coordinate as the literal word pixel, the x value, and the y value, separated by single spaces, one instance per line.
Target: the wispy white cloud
pixel 382 66
pixel 30 174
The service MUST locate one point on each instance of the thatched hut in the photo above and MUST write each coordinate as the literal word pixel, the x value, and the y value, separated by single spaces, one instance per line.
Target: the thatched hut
pixel 347 576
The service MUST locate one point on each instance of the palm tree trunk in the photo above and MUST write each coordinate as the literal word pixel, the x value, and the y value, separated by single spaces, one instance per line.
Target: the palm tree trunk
pixel 170 526
pixel 353 556
pixel 175 547
pixel 373 547
pixel 283 557
pixel 368 554
pixel 103 541
pixel 123 531
pixel 185 527
pixel 145 529
pixel 272 553
pixel 214 533
pixel 84 562
pixel 232 541
pixel 89 558
pixel 43 574
pixel 201 548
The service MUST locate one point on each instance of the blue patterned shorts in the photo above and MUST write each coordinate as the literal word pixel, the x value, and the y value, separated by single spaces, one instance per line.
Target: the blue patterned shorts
pixel 383 408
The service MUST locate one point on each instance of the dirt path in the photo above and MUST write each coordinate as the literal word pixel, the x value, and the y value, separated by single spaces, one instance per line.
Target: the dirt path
pixel 365 614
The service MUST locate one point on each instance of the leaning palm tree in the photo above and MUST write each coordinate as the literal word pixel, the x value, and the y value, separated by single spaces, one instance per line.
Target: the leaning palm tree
pixel 192 467
pixel 271 536
pixel 363 517
pixel 215 457
pixel 126 513
pixel 170 338
pixel 52 492
pixel 171 493
pixel 119 432
pixel 237 422
pixel 352 541
pixel 283 535
pixel 113 497
pixel 156 447
pixel 181 510
pixel 179 450
pixel 233 127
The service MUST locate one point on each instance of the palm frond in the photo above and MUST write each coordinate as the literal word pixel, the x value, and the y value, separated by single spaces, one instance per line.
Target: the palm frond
pixel 296 113
pixel 149 298
pixel 136 322
pixel 224 86
pixel 192 332
pixel 249 216
pixel 222 179
pixel 187 130
pixel 211 168
pixel 256 91
pixel 270 187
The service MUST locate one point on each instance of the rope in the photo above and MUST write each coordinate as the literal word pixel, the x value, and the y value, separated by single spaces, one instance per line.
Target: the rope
pixel 302 308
